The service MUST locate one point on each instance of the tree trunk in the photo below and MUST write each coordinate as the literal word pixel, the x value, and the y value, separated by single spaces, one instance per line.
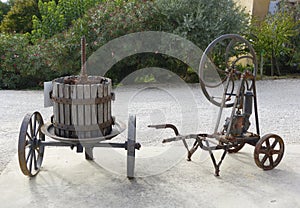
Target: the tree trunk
pixel 277 66
pixel 272 66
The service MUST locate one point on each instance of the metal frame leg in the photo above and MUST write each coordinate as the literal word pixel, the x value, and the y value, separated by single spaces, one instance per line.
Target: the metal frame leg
pixel 217 166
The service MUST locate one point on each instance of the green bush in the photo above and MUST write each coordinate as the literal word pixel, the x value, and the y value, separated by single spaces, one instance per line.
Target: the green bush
pixel 12 50
pixel 55 17
pixel 19 18
pixel 202 21
pixel 273 37
pixel 23 65
pixel 54 54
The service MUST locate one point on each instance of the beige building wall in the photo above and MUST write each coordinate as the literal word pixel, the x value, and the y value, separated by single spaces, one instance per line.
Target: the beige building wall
pixel 260 8
pixel 256 8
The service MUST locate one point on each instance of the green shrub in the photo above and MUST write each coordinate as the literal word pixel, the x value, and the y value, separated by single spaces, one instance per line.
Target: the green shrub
pixel 202 21
pixel 56 53
pixel 23 65
pixel 57 17
pixel 18 19
pixel 12 50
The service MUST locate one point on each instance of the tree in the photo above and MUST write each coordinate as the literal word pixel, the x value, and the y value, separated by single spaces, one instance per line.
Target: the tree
pixel 52 20
pixel 202 21
pixel 56 17
pixel 273 36
pixel 294 8
pixel 4 8
pixel 19 18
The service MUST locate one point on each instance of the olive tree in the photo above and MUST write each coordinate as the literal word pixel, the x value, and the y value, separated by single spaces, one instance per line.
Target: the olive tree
pixel 57 16
pixel 201 21
pixel 273 37
pixel 18 19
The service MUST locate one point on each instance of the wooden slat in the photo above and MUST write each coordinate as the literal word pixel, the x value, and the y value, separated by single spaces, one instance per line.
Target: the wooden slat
pixel 61 108
pixel 74 115
pixel 100 106
pixel 94 109
pixel 80 92
pixel 87 109
pixel 67 109
pixel 55 106
pixel 105 105
pixel 109 102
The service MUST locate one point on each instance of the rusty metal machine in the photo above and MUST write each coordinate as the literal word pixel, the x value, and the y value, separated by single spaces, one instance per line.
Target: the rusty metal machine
pixel 82 116
pixel 230 63
pixel 81 119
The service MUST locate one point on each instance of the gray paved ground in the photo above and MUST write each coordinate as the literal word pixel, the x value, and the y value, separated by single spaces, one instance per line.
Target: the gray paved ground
pixel 67 180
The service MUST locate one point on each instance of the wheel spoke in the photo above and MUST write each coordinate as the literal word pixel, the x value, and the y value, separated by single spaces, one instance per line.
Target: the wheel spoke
pixel 271 161
pixel 38 130
pixel 35 160
pixel 30 163
pixel 263 150
pixel 34 124
pixel 29 154
pixel 27 134
pixel 276 152
pixel 268 143
pixel 264 159
pixel 274 144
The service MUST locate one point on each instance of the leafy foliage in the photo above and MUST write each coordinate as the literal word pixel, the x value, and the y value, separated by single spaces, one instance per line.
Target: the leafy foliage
pixel 57 17
pixel 52 20
pixel 4 8
pixel 18 19
pixel 58 29
pixel 273 36
pixel 202 21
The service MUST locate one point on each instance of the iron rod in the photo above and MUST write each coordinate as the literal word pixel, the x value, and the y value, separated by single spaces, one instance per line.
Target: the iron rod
pixel 62 144
pixel 222 104
pixel 255 108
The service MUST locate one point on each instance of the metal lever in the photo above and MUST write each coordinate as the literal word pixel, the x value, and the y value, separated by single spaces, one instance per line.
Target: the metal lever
pixel 165 126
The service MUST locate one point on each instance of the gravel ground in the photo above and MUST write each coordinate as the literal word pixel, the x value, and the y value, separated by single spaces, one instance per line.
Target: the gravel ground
pixel 163 179
pixel 278 101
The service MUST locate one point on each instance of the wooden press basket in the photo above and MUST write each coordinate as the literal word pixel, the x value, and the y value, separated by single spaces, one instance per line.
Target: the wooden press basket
pixel 82 110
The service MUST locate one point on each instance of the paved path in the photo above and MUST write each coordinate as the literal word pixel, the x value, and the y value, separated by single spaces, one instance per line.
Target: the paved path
pixel 67 180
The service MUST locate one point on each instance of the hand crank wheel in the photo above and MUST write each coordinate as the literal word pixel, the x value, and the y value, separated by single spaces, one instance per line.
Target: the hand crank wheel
pixel 269 151
pixel 131 146
pixel 30 150
pixel 225 58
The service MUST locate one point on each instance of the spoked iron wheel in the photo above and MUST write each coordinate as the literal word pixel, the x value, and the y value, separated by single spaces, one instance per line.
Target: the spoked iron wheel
pixel 30 150
pixel 269 151
pixel 224 60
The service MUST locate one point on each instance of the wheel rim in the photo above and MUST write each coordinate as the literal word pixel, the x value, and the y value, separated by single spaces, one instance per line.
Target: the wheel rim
pixel 30 150
pixel 269 151
pixel 214 71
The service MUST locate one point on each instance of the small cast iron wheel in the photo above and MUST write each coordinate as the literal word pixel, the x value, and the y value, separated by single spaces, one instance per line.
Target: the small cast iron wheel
pixel 236 148
pixel 268 151
pixel 30 150
pixel 131 146
pixel 221 61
